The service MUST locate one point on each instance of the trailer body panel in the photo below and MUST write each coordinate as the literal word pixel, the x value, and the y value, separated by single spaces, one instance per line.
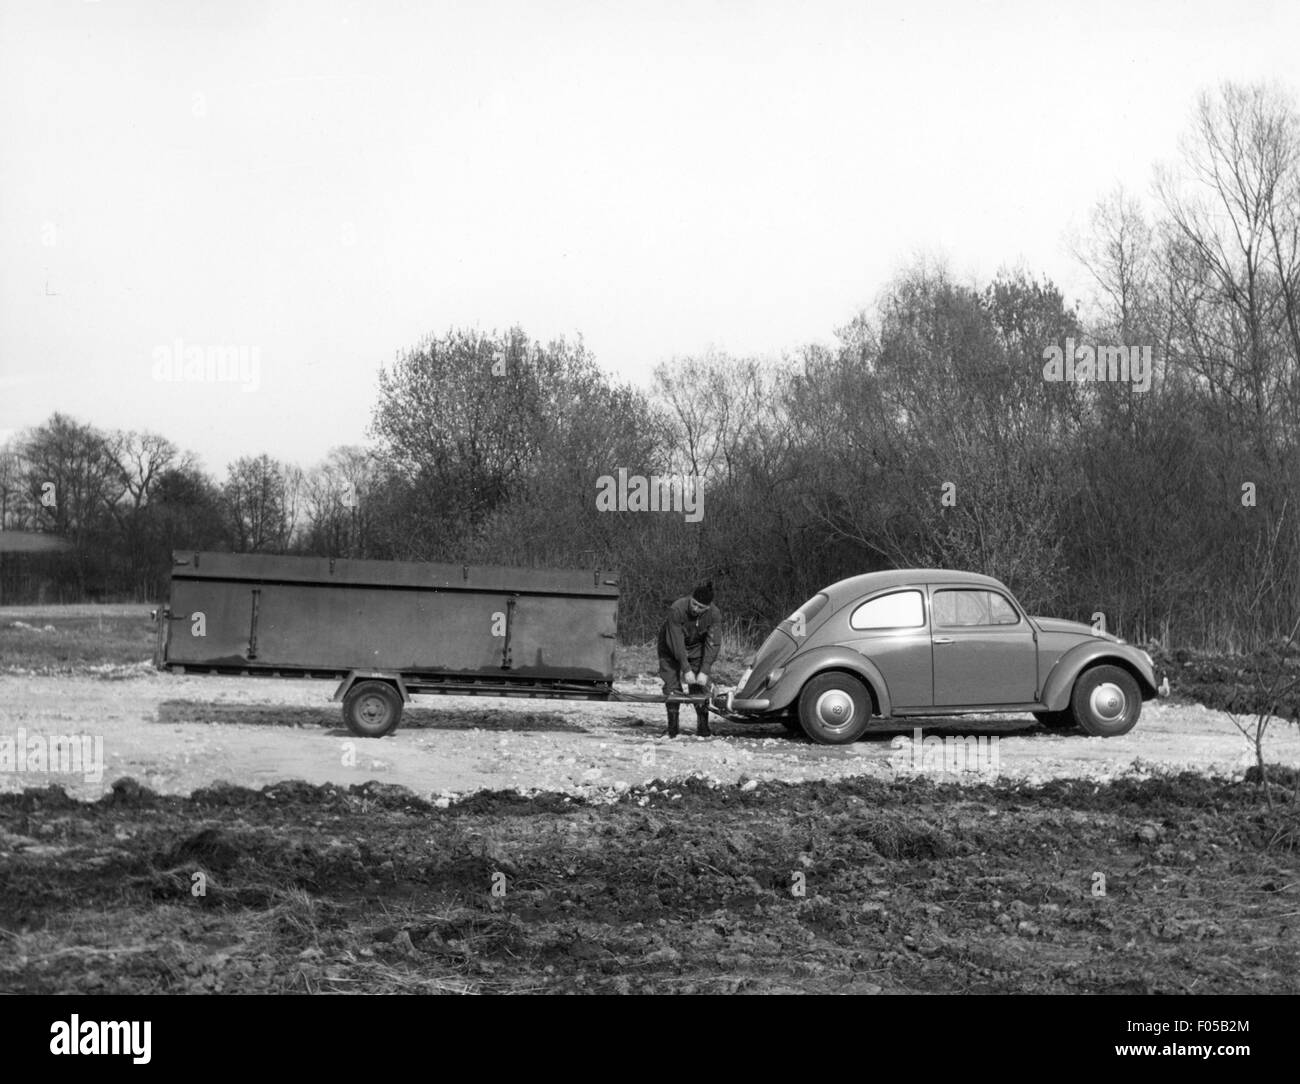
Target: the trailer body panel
pixel 257 613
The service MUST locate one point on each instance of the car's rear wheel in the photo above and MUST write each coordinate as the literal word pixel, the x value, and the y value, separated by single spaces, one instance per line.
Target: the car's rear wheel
pixel 834 709
pixel 1106 701
pixel 1056 720
pixel 372 709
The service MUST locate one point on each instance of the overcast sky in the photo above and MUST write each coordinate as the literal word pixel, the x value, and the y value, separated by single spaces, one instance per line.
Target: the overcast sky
pixel 324 183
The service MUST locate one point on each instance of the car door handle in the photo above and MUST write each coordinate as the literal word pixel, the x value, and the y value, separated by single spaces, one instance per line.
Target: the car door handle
pixel 941 640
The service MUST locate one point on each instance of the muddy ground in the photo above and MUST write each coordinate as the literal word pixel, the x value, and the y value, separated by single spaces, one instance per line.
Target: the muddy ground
pixel 1182 885
pixel 240 839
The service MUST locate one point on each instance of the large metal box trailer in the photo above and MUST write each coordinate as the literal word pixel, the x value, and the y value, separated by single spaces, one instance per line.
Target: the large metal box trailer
pixel 389 629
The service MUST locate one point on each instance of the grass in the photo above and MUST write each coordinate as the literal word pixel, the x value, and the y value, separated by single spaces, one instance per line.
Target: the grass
pixel 64 644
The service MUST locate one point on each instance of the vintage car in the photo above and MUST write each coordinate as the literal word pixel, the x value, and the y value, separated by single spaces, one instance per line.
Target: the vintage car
pixel 929 642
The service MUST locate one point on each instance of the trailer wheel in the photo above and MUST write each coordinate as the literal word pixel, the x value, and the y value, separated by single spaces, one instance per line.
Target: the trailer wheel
pixel 372 709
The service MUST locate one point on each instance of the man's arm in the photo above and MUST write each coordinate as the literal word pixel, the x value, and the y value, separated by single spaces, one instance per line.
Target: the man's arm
pixel 712 644
pixel 676 628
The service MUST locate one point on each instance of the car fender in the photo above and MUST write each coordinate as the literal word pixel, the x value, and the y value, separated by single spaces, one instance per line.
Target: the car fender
pixel 1060 682
pixel 807 665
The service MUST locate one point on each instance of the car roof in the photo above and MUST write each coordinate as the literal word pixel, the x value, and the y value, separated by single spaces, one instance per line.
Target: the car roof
pixel 856 586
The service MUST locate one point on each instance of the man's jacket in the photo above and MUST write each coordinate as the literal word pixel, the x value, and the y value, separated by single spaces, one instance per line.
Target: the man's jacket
pixel 691 642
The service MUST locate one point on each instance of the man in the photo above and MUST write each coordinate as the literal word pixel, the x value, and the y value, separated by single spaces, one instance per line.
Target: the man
pixel 688 645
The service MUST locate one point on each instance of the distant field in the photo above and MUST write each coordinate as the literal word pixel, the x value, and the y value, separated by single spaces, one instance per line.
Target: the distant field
pixel 55 638
pixel 84 609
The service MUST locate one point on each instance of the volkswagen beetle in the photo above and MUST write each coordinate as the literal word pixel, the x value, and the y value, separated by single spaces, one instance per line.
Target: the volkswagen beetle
pixel 935 642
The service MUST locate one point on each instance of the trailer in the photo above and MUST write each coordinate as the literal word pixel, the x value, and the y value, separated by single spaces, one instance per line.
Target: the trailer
pixel 388 630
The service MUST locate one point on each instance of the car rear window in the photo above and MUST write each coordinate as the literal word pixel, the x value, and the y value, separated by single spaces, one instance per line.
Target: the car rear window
pixel 809 610
pixel 897 610
pixel 802 618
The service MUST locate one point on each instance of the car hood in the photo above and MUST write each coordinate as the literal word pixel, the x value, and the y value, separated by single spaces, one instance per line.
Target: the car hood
pixel 1074 628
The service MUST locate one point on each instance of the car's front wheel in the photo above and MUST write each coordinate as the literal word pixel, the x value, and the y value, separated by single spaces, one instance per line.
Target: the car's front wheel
pixel 834 709
pixel 1106 701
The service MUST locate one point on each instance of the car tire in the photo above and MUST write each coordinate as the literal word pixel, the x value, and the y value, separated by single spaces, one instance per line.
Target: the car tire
pixel 372 709
pixel 1057 720
pixel 1106 701
pixel 834 709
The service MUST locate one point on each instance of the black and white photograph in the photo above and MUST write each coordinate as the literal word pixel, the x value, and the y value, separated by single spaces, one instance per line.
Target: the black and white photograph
pixel 647 500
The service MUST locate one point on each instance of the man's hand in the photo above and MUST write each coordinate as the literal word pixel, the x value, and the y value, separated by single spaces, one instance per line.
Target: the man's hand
pixel 702 678
pixel 688 678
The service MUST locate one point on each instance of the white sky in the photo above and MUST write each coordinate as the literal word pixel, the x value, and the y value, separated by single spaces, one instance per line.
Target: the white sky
pixel 326 182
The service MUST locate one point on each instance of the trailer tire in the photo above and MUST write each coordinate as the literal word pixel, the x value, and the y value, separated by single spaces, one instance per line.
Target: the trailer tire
pixel 372 709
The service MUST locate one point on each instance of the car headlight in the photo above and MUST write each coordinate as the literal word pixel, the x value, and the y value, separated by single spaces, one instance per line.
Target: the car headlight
pixel 774 676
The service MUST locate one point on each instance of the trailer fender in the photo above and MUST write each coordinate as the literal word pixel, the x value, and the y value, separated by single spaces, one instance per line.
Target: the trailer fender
pixel 371 675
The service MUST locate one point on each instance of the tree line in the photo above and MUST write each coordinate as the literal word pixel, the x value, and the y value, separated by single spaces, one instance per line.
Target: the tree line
pixel 1151 476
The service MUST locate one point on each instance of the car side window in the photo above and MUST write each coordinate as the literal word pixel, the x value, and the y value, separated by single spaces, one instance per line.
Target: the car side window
pixel 964 607
pixel 1001 611
pixel 899 610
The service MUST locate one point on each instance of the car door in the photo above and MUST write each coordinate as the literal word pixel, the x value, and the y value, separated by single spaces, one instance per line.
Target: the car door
pixel 983 648
pixel 891 630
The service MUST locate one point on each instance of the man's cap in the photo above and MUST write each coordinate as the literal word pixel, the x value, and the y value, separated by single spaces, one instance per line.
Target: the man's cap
pixel 704 594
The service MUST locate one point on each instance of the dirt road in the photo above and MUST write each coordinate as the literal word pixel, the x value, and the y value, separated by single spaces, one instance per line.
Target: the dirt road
pixel 174 733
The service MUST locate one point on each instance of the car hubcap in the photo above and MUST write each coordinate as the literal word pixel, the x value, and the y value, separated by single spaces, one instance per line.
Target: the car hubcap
pixel 1107 702
pixel 835 708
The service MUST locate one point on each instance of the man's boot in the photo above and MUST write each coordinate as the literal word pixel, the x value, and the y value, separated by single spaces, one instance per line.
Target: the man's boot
pixel 702 721
pixel 674 711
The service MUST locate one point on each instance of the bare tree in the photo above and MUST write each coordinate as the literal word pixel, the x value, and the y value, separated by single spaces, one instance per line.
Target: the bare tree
pixel 11 487
pixel 261 497
pixel 715 404
pixel 1234 233
pixel 1119 252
